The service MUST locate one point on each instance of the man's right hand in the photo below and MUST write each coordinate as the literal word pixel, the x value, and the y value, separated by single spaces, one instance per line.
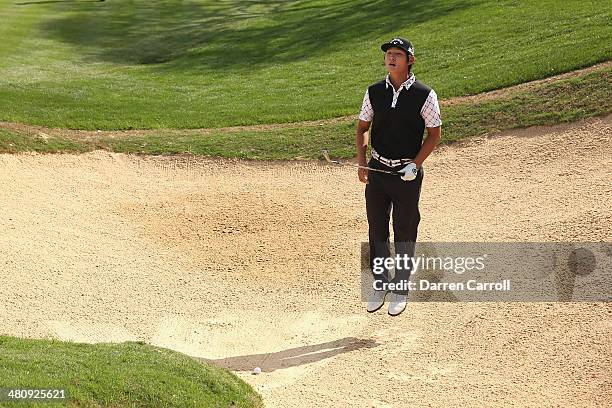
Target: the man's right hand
pixel 363 175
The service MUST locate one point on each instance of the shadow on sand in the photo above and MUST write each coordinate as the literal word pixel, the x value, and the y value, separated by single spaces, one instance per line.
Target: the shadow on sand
pixel 297 356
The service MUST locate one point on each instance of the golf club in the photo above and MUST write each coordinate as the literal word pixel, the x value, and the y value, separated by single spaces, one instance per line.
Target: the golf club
pixel 326 156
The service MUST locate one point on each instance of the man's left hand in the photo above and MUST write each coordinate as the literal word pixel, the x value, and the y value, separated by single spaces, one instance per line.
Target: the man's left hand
pixel 409 172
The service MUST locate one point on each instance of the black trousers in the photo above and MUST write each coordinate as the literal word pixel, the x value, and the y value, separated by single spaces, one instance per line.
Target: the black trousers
pixel 387 194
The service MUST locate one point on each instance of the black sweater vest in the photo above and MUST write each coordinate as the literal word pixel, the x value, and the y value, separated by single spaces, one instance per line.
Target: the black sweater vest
pixel 397 133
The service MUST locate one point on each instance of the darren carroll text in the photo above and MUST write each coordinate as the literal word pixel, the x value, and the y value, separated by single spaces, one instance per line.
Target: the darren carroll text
pixel 471 284
pixel 424 284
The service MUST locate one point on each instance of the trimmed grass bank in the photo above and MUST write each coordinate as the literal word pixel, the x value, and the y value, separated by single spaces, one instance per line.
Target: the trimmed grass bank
pixel 547 103
pixel 118 375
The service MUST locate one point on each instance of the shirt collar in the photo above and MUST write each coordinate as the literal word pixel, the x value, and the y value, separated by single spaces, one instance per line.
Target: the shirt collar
pixel 406 84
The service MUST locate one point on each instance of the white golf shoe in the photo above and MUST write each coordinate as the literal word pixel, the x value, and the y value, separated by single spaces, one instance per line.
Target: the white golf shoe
pixel 397 304
pixel 376 300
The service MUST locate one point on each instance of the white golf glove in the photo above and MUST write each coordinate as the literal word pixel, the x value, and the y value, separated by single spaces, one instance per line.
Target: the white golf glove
pixel 409 172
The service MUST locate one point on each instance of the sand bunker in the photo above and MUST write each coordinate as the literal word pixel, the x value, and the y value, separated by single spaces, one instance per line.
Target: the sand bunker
pixel 256 264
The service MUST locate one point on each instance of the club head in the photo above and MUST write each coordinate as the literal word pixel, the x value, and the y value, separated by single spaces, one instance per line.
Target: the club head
pixel 326 156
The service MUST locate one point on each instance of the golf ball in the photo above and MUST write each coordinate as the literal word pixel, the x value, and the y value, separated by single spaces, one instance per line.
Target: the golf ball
pixel 257 370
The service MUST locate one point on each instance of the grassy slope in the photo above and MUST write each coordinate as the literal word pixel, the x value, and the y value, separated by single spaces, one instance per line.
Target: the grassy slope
pixel 544 104
pixel 190 64
pixel 119 375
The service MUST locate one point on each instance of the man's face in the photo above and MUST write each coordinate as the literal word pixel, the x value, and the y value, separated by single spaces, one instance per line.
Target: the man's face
pixel 396 60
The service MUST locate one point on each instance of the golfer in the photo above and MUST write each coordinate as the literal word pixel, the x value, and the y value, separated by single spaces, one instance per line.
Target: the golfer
pixel 396 110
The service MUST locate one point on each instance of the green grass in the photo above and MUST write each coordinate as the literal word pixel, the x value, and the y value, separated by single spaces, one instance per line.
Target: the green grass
pixel 560 101
pixel 13 142
pixel 118 375
pixel 549 103
pixel 192 64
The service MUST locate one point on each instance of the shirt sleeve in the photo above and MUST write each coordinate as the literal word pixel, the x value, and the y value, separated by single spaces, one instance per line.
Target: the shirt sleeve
pixel 367 113
pixel 430 112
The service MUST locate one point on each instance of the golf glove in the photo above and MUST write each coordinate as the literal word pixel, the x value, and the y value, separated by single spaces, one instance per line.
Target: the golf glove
pixel 409 172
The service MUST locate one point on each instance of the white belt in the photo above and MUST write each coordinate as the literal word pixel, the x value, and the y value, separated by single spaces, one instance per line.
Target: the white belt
pixel 389 162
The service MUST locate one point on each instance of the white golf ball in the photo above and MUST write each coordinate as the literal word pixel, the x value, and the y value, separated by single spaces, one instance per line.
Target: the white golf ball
pixel 257 370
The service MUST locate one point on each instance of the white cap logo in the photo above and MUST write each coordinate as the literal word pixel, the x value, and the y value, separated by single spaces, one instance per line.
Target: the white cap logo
pixel 396 41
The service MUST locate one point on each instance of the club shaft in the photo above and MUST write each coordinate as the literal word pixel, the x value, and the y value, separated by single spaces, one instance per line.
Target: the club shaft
pixel 326 156
pixel 367 168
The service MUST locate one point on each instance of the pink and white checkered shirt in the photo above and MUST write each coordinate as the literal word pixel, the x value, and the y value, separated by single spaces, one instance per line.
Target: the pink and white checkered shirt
pixel 430 112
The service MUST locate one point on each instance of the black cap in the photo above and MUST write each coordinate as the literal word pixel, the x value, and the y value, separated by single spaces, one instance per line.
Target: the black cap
pixel 399 43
